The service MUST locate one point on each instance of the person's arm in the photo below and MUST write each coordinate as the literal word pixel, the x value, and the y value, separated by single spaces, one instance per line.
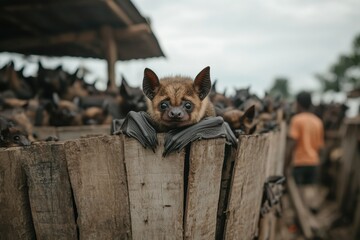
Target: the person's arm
pixel 292 136
pixel 290 147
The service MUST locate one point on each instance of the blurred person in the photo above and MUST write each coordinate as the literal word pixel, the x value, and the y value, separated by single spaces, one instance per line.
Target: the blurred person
pixel 305 142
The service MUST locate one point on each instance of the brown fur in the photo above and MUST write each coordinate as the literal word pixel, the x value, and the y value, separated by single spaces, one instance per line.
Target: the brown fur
pixel 238 119
pixel 12 135
pixel 75 90
pixel 22 121
pixel 177 90
pixel 96 115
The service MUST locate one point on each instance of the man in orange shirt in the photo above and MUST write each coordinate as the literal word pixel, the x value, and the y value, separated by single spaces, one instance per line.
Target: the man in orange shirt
pixel 305 140
pixel 306 131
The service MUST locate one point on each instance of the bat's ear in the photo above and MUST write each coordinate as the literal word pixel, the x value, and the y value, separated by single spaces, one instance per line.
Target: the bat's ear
pixel 252 129
pixel 150 83
pixel 124 87
pixel 202 83
pixel 249 114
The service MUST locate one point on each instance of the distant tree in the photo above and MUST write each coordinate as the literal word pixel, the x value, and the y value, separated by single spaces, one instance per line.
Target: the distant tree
pixel 343 75
pixel 280 87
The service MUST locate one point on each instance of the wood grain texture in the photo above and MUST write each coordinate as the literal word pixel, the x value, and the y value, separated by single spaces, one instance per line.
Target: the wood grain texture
pixel 110 49
pixel 98 179
pixel 72 132
pixel 273 159
pixel 49 191
pixel 302 212
pixel 229 159
pixel 43 132
pixel 76 132
pixel 347 163
pixel 203 191
pixel 247 187
pixel 156 191
pixel 274 166
pixel 281 149
pixel 15 214
pixel 267 226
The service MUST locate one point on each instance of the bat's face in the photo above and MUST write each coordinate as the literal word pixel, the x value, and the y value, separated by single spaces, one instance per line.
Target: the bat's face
pixel 241 120
pixel 175 102
pixel 12 137
pixel 176 116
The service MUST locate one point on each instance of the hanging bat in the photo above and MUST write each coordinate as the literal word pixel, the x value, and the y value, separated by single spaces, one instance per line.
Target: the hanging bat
pixel 179 106
pixel 12 135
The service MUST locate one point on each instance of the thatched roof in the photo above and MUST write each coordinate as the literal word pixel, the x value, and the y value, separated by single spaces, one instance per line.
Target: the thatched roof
pixel 80 28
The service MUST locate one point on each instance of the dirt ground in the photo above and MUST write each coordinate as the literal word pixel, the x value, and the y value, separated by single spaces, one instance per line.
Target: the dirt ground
pixel 330 224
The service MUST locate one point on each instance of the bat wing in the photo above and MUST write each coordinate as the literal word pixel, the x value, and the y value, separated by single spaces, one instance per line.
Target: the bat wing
pixel 211 127
pixel 137 125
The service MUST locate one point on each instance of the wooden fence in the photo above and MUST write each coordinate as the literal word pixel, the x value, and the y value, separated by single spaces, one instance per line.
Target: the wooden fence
pixel 73 132
pixel 110 187
pixel 348 183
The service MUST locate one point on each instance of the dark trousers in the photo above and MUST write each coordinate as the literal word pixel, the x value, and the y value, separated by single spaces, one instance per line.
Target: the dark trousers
pixel 305 175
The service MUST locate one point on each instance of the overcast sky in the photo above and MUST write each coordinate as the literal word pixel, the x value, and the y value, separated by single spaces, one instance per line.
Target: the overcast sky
pixel 246 43
pixel 252 42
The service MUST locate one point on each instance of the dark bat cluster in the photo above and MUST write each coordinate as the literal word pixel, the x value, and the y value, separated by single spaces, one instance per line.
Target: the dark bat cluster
pixel 246 113
pixel 242 113
pixel 55 97
pixel 332 114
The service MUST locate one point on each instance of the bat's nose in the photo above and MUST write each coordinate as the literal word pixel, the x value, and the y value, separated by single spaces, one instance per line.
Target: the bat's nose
pixel 24 141
pixel 176 113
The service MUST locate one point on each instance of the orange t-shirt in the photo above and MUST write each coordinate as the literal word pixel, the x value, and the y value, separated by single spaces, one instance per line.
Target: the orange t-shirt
pixel 308 132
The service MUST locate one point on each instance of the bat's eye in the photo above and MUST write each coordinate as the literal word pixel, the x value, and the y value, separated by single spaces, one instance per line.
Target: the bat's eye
pixel 163 105
pixel 188 106
pixel 16 138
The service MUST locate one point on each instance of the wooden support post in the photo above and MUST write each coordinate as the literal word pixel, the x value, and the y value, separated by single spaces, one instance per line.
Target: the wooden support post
pixel 98 179
pixel 203 188
pixel 307 222
pixel 246 190
pixel 110 49
pixel 156 191
pixel 49 190
pixel 15 212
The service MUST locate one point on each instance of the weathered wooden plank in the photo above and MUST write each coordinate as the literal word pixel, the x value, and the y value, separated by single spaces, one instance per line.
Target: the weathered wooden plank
pixel 281 149
pixel 271 158
pixel 70 37
pixel 274 166
pixel 98 179
pixel 49 191
pixel 76 132
pixel 72 132
pixel 351 202
pixel 267 227
pixel 110 49
pixel 307 223
pixel 349 145
pixel 356 221
pixel 226 174
pixel 247 187
pixel 43 132
pixel 203 189
pixel 156 191
pixel 15 214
